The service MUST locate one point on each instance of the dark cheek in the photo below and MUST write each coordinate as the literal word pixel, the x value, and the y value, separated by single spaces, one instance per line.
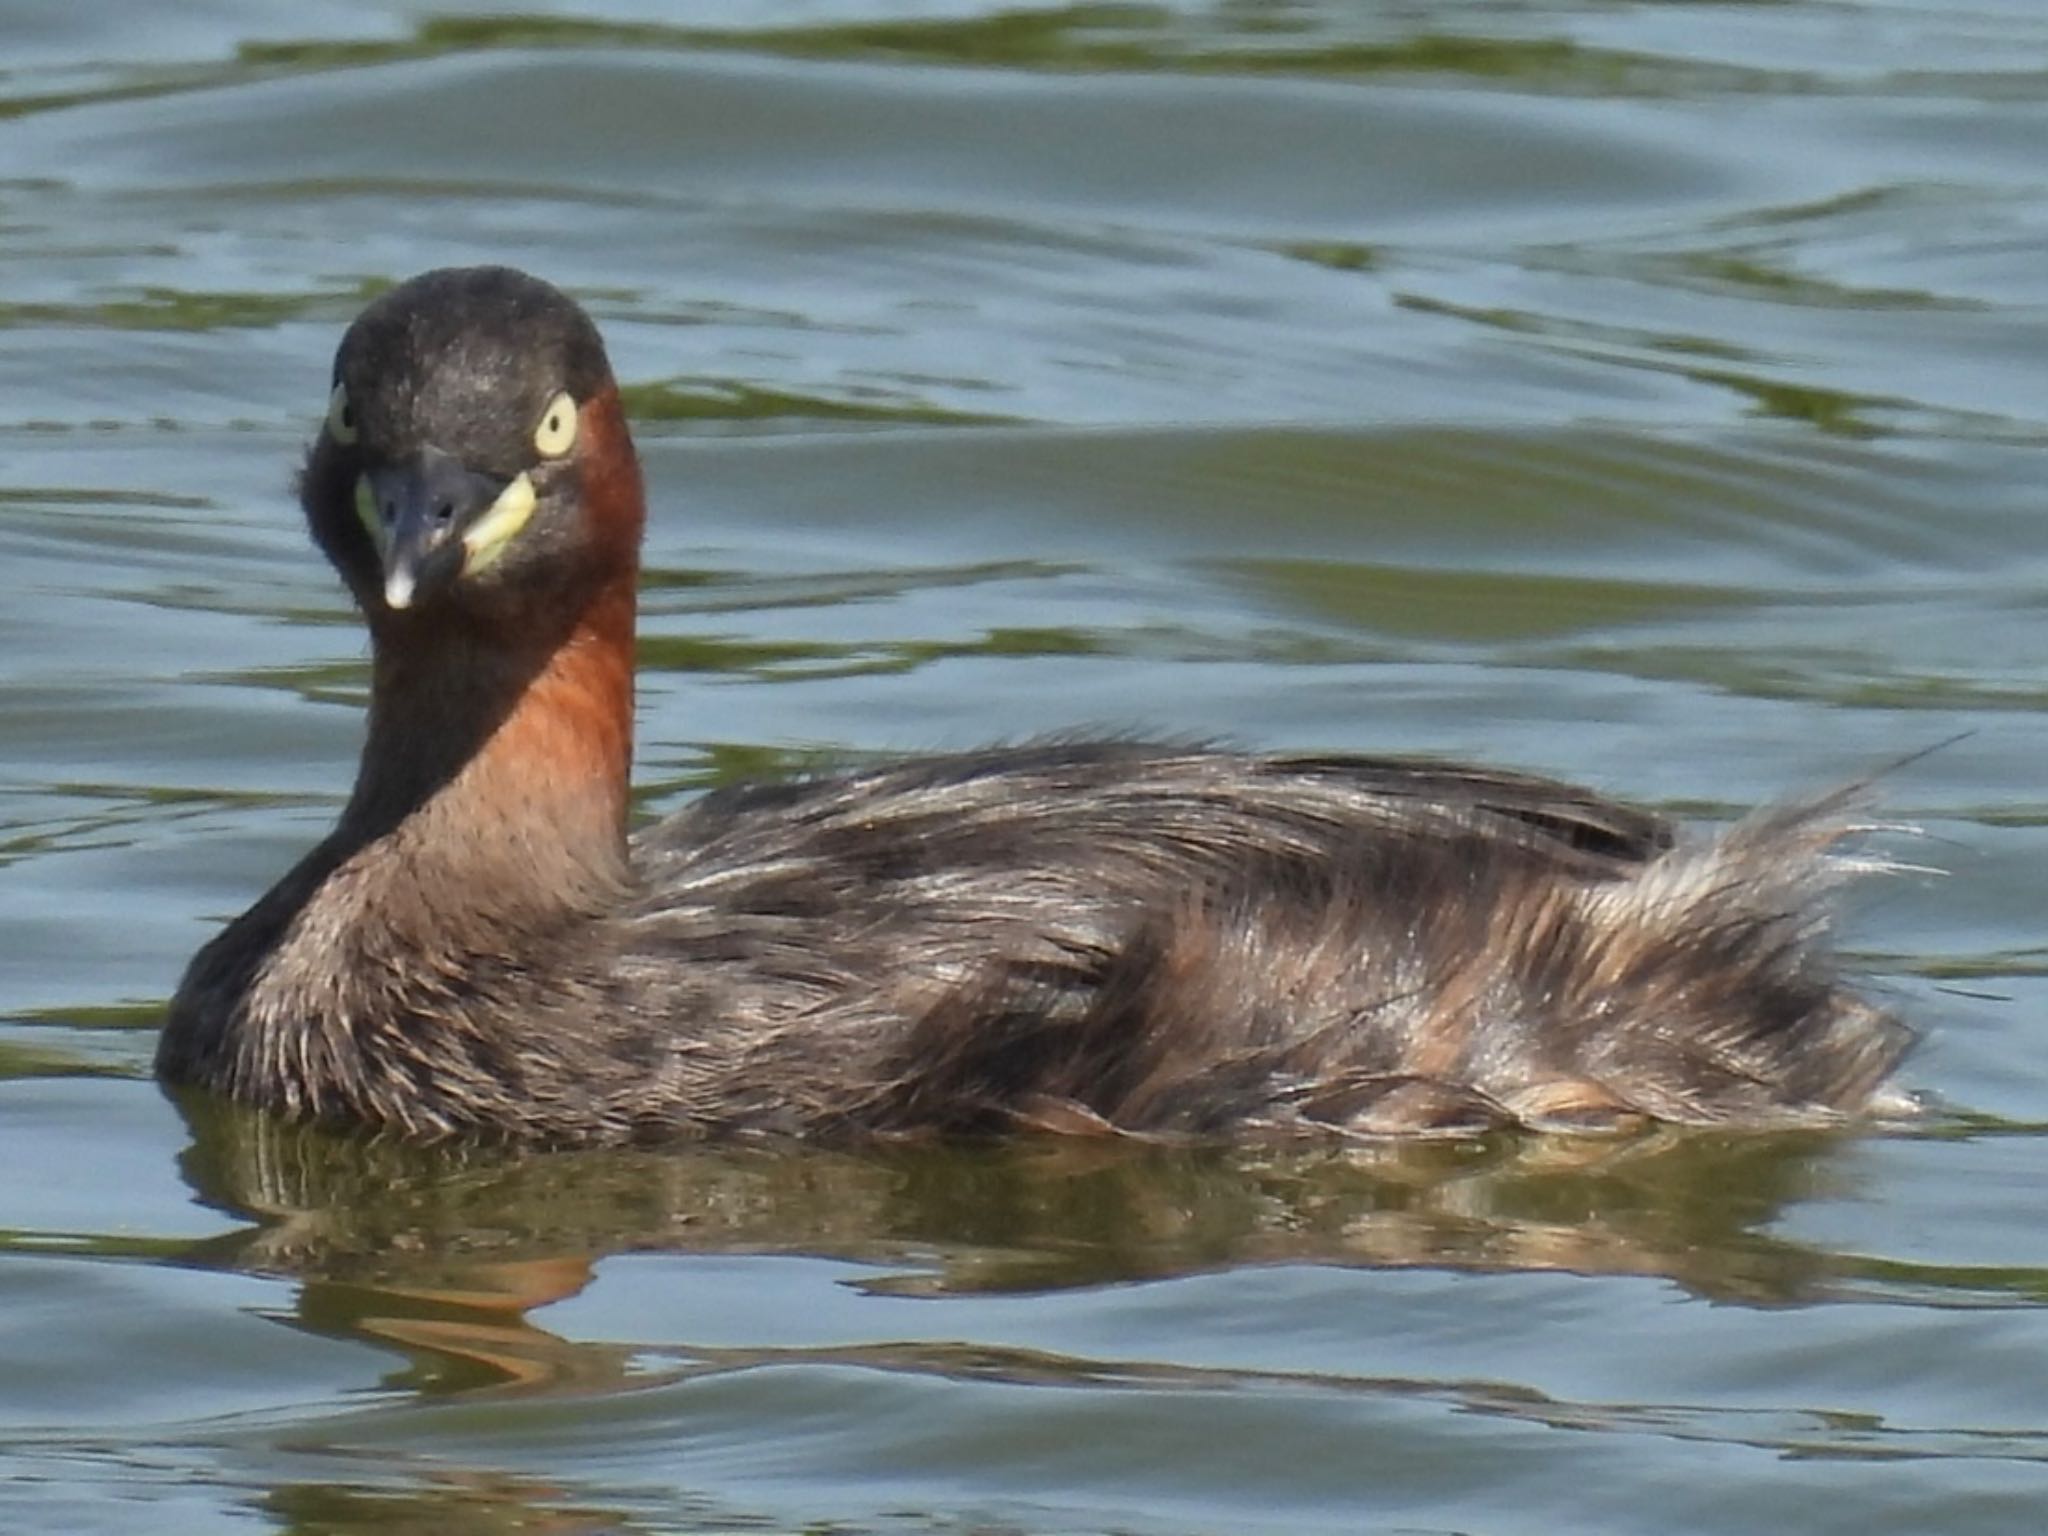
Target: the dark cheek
pixel 327 493
pixel 559 518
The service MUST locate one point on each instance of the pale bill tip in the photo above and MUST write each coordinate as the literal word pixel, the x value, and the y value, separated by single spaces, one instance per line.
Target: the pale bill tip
pixel 398 590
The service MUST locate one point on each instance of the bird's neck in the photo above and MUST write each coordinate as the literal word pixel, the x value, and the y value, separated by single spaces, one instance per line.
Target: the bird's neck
pixel 496 767
pixel 487 826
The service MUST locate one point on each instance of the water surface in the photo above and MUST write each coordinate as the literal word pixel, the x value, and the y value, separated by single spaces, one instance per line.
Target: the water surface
pixel 1651 394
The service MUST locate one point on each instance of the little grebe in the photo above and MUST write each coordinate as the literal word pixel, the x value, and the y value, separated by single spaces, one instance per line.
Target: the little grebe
pixel 1077 936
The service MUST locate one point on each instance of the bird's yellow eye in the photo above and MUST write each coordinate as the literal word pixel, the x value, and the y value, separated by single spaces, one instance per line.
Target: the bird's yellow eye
pixel 556 434
pixel 341 417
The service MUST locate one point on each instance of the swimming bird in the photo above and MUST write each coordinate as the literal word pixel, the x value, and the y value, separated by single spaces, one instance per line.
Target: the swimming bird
pixel 1105 937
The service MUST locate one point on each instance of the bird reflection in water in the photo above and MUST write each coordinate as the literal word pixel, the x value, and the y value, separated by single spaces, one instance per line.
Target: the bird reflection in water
pixel 442 1253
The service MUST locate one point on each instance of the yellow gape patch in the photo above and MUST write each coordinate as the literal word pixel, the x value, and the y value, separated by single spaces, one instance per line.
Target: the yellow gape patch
pixel 489 534
pixel 366 514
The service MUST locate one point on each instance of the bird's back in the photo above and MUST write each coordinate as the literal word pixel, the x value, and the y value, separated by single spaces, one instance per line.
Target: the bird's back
pixel 1116 936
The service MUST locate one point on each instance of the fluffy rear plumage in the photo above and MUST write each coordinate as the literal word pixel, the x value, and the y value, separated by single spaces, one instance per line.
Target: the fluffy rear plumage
pixel 1097 938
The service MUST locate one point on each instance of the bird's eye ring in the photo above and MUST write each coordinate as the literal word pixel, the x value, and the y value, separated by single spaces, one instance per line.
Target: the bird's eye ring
pixel 341 417
pixel 556 433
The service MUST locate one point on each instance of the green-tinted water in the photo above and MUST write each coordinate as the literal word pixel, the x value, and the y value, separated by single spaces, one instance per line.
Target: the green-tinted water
pixel 1647 393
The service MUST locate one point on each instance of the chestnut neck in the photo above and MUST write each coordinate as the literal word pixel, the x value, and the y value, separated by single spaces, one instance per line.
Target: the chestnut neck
pixel 501 762
pixel 500 744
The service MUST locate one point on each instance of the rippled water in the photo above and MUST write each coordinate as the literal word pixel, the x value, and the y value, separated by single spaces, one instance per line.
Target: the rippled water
pixel 1650 393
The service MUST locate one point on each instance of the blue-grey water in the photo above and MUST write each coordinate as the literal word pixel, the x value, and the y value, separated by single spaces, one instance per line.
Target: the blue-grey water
pixel 1654 394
